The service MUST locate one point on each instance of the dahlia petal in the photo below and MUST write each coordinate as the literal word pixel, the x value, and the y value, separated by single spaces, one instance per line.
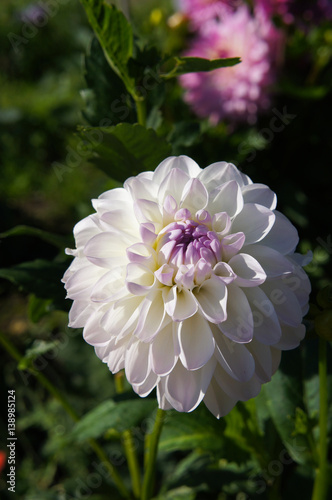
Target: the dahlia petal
pixel 173 185
pixel 142 254
pixel 273 262
pixel 122 220
pixel 203 216
pixel 163 402
pixel 185 277
pixel 226 198
pixel 180 304
pixel 121 316
pixel 260 194
pixel 267 328
pixel 263 360
pixel 79 313
pixel 93 333
pixel 147 232
pixel 147 386
pixel 248 270
pixel 140 279
pixel 111 200
pixel 218 173
pixel 85 230
pixel 164 353
pixel 255 221
pixel 142 187
pixel 152 316
pixel 234 358
pixel 194 196
pixel 80 284
pixel 183 163
pixel 108 249
pixel 137 365
pixel 224 272
pixel 298 282
pixel 114 354
pixel 217 401
pixel 116 195
pixel 165 274
pixel 221 223
pixel 232 244
pixel 212 300
pixel 301 260
pixel 196 342
pixel 110 286
pixel 148 211
pixel 185 389
pixel 290 337
pixel 285 302
pixel 283 236
pixel 276 358
pixel 240 391
pixel 170 207
pixel 202 271
pixel 239 325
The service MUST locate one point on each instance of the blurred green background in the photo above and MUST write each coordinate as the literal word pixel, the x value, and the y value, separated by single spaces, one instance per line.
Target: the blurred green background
pixel 41 104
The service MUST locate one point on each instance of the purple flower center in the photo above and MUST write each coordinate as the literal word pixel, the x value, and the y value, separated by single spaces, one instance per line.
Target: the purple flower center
pixel 188 241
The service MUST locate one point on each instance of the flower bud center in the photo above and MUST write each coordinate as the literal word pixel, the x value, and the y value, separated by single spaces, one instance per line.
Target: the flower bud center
pixel 188 241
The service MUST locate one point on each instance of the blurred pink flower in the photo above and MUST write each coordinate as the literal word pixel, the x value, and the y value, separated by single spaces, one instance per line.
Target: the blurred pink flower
pixel 200 11
pixel 237 92
pixel 275 8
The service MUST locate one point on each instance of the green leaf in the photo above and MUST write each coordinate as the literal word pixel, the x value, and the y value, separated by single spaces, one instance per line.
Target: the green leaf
pixel 242 429
pixel 54 239
pixel 183 135
pixel 115 36
pixel 285 402
pixel 37 307
pixel 126 149
pixel 203 473
pixel 40 277
pixel 106 100
pixel 38 348
pixel 176 66
pixel 119 416
pixel 182 493
pixel 194 463
pixel 182 432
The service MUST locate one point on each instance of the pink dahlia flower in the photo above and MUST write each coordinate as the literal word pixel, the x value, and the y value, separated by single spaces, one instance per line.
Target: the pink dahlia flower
pixel 187 279
pixel 237 92
pixel 275 8
pixel 200 11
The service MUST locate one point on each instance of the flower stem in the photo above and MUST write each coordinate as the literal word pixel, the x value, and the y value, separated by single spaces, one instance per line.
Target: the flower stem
pixel 129 445
pixel 141 111
pixel 152 441
pixel 13 351
pixel 321 479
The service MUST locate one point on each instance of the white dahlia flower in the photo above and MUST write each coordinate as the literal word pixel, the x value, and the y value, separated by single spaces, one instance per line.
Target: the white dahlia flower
pixel 187 279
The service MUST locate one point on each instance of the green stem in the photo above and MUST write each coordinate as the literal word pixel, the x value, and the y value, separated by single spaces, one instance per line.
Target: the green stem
pixel 13 351
pixel 152 441
pixel 129 446
pixel 141 111
pixel 321 479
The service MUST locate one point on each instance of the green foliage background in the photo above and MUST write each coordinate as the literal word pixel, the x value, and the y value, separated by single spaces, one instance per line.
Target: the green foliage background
pixel 265 448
